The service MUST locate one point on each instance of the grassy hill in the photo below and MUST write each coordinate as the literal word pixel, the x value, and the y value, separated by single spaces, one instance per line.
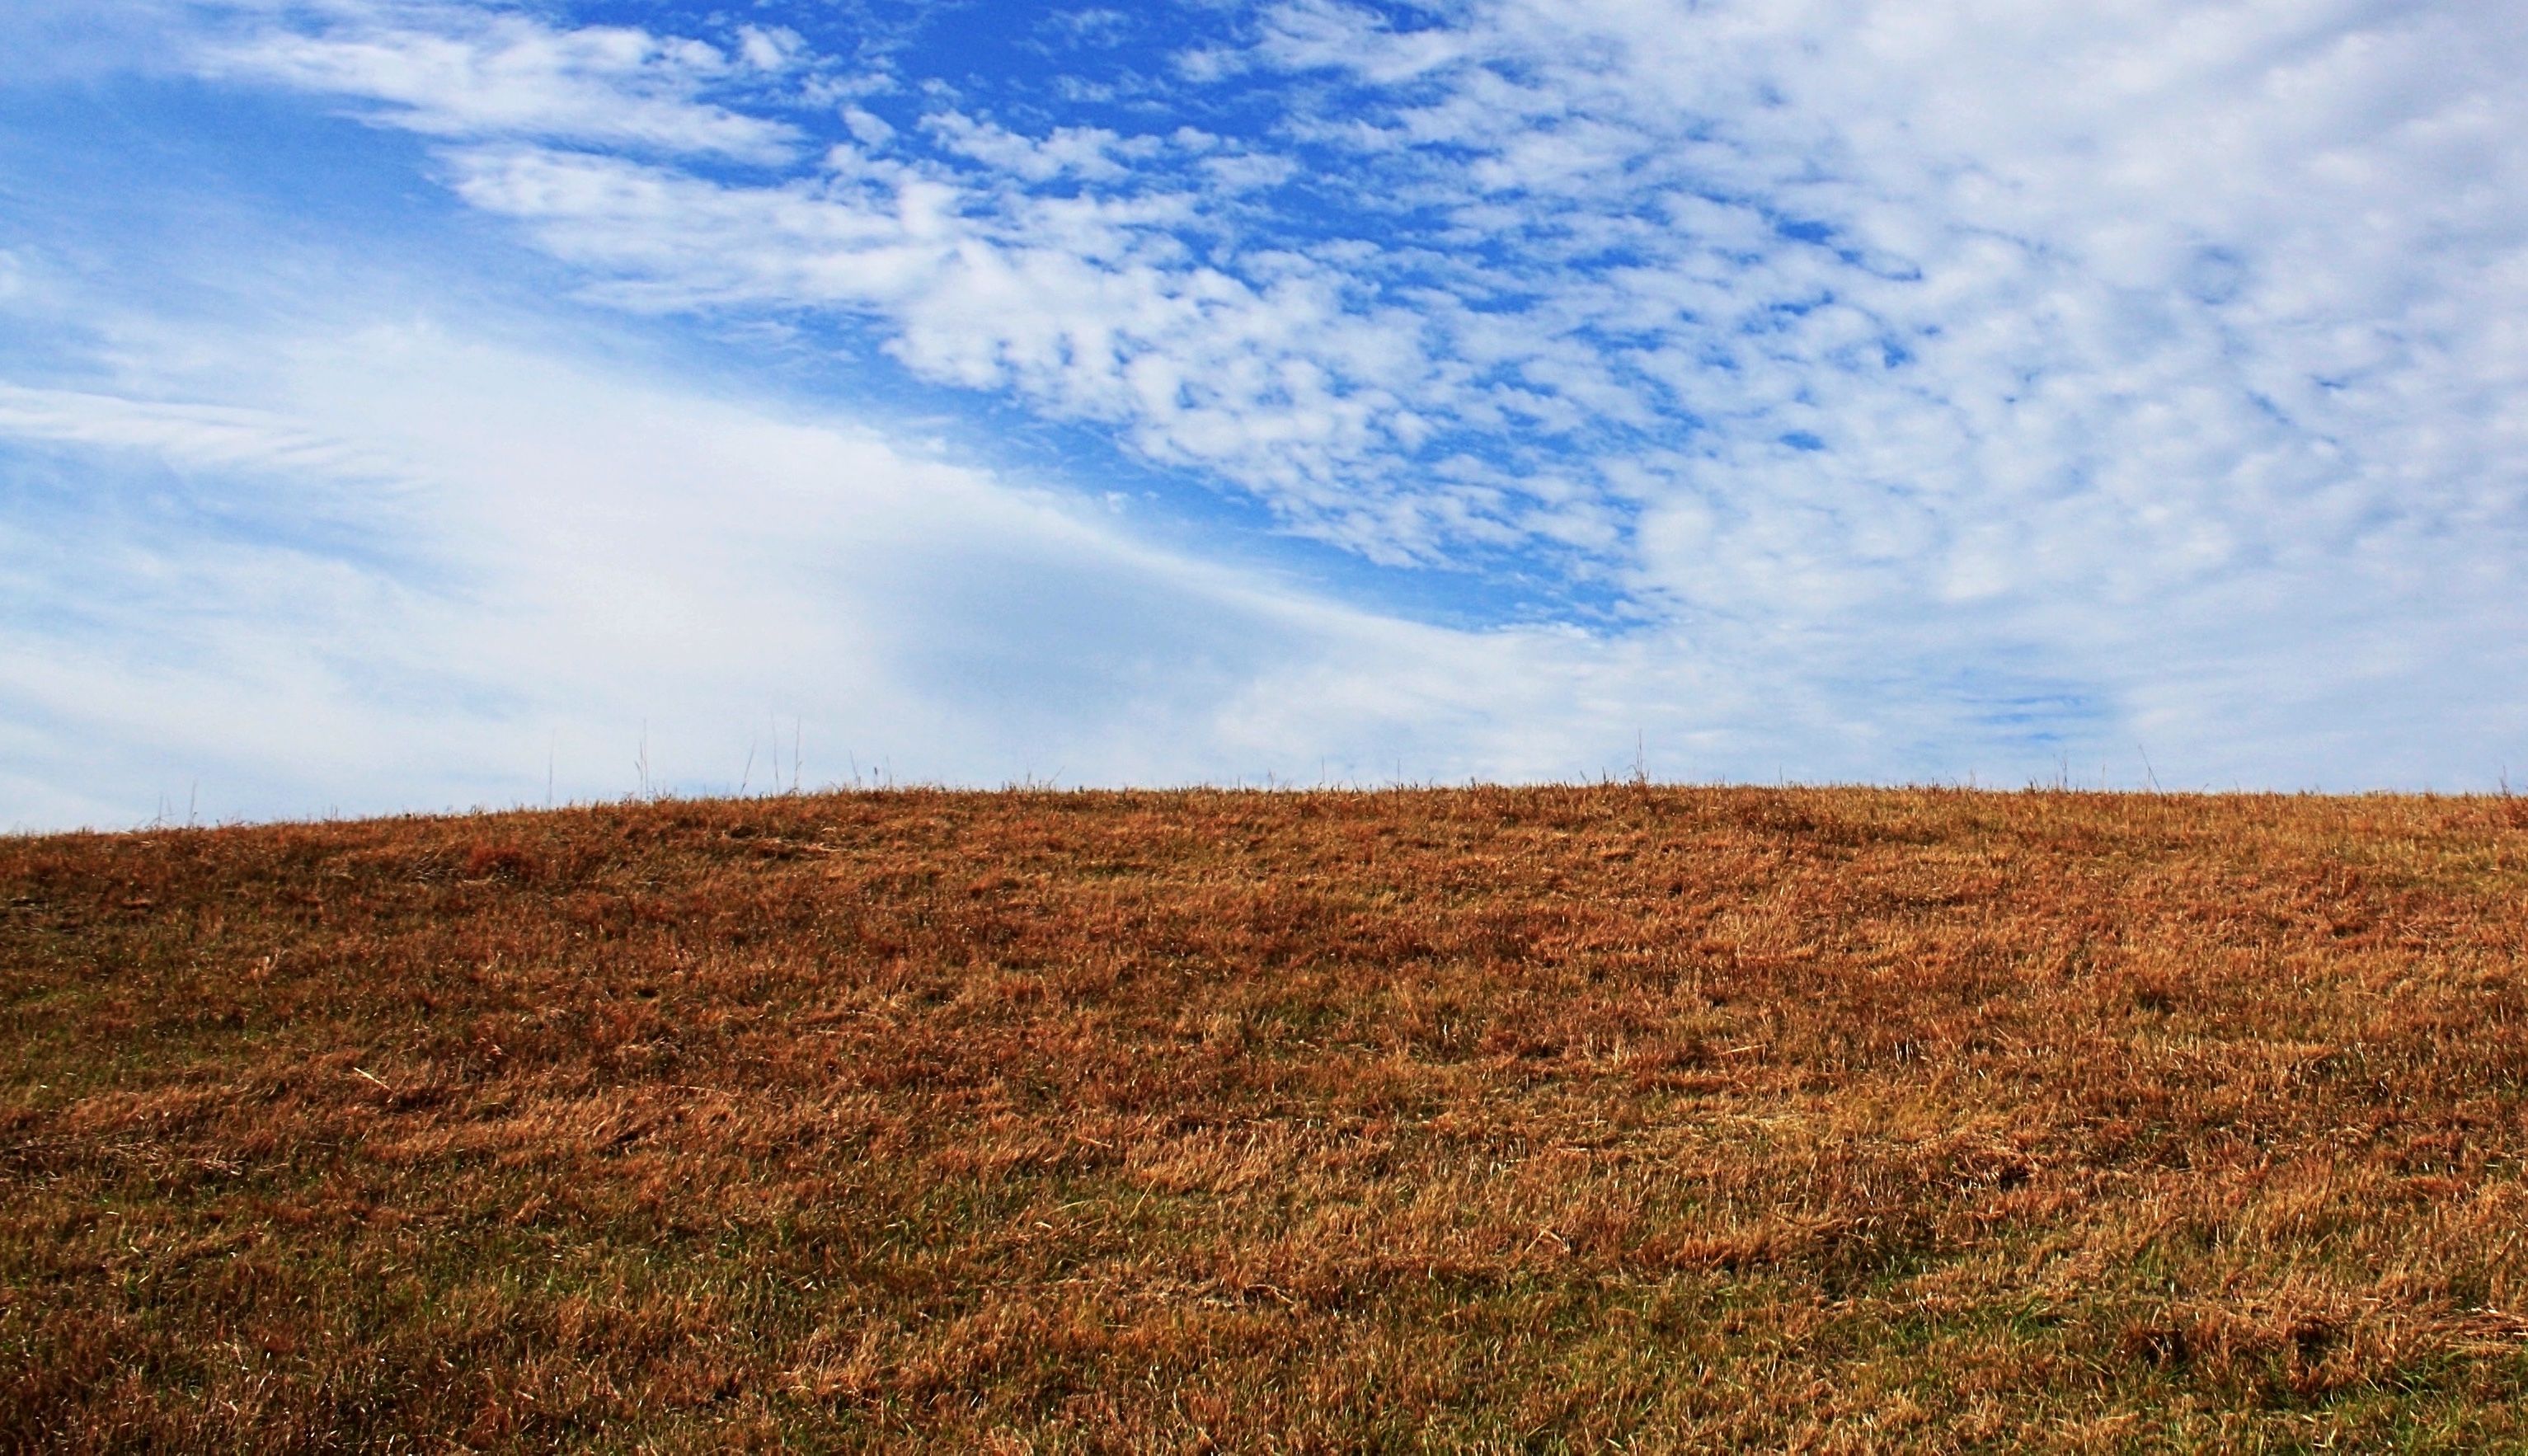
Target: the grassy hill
pixel 1520 1119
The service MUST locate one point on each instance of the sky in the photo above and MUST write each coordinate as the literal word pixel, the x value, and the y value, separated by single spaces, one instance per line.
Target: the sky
pixel 422 404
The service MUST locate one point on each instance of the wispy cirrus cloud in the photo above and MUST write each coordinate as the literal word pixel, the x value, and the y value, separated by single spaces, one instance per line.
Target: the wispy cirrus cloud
pixel 459 71
pixel 194 434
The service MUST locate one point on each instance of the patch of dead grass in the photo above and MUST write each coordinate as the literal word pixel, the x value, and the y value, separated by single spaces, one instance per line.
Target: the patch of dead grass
pixel 1487 1119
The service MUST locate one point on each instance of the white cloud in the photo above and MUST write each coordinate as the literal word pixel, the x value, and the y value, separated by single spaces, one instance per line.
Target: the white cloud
pixel 1090 309
pixel 206 435
pixel 770 47
pixel 1088 153
pixel 2172 341
pixel 581 554
pixel 872 130
pixel 1946 335
pixel 455 71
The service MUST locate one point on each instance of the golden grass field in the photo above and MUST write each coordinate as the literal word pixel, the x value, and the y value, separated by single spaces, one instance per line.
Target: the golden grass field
pixel 1561 1118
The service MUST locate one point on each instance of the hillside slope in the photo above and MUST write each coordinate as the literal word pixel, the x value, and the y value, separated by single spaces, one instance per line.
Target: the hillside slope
pixel 1526 1119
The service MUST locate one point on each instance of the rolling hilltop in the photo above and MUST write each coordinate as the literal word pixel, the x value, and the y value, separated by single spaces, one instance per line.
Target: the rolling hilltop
pixel 1524 1119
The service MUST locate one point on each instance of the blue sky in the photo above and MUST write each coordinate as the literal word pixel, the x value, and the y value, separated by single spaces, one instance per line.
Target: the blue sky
pixel 408 404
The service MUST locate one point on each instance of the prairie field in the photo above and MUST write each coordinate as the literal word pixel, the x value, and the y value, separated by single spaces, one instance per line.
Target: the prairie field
pixel 1577 1119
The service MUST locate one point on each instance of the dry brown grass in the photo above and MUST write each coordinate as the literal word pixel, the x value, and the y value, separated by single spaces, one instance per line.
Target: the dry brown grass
pixel 1510 1120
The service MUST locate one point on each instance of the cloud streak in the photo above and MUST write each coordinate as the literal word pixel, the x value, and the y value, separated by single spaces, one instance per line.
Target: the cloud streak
pixel 458 72
pixel 615 561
